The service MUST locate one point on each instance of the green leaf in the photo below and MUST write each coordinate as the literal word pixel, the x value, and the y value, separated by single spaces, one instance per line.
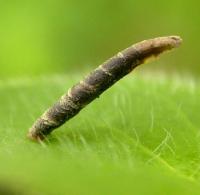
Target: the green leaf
pixel 140 137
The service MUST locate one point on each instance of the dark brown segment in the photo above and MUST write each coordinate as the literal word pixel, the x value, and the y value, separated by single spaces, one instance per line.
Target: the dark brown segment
pixel 121 66
pixel 81 96
pixel 97 81
pixel 61 112
pixel 99 77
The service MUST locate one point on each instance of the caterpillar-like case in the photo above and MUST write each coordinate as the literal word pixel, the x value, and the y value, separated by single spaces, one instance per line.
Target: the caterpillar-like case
pixel 97 82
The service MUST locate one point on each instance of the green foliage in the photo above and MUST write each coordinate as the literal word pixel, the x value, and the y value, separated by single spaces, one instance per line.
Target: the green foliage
pixel 139 137
pixel 57 35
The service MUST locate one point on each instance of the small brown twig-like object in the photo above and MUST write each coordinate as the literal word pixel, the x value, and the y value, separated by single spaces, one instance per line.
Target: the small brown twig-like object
pixel 97 82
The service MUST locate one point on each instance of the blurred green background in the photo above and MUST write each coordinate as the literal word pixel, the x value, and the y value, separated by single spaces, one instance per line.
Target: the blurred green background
pixel 53 36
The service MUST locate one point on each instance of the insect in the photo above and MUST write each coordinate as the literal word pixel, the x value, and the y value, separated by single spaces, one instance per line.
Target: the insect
pixel 97 82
